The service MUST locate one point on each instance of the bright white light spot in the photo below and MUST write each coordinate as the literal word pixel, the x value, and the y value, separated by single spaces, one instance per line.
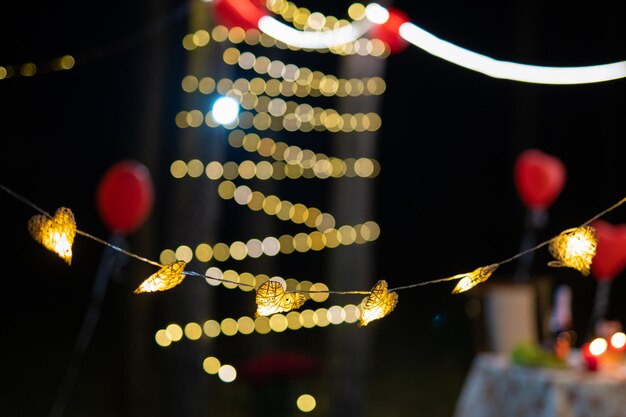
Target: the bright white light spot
pixel 376 13
pixel 598 346
pixel 618 340
pixel 225 110
pixel 227 373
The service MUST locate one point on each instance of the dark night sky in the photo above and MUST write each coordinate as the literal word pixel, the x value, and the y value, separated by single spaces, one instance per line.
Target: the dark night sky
pixel 445 198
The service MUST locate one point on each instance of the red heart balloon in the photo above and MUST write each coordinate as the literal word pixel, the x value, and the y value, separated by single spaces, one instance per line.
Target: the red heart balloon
pixel 238 13
pixel 610 259
pixel 388 32
pixel 539 178
pixel 125 196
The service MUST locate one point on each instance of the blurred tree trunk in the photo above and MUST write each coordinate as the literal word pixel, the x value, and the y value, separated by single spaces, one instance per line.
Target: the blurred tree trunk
pixel 188 213
pixel 352 267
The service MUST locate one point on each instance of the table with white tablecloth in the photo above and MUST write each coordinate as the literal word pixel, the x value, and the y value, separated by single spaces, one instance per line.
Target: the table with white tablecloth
pixel 496 387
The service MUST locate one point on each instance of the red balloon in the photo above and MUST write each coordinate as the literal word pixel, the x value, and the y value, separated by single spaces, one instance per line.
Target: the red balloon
pixel 610 259
pixel 539 178
pixel 238 13
pixel 124 196
pixel 389 32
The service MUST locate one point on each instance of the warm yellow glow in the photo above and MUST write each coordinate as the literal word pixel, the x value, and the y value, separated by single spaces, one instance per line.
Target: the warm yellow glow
pixel 164 279
pixel 66 62
pixel 229 327
pixel 321 317
pixel 245 325
pixel 306 403
pixel 293 320
pixel 336 314
pixel 262 325
pixel 56 233
pixel 167 256
pixel 193 331
pixel 28 69
pixel 308 318
pixel 175 332
pixel 227 373
pixel 598 346
pixel 211 328
pixel 271 298
pixel 184 253
pixel 278 323
pixel 471 279
pixel 575 248
pixel 378 304
pixel 162 338
pixel 352 313
pixel 618 340
pixel 211 365
pixel 319 292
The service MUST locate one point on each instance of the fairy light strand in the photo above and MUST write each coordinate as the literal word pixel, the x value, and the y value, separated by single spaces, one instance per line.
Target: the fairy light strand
pixel 303 291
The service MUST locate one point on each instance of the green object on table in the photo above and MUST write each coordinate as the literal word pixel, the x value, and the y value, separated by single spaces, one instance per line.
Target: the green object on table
pixel 532 354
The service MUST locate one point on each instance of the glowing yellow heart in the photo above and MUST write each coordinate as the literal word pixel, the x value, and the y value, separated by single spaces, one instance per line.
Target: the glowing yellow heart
pixel 575 248
pixel 378 304
pixel 469 280
pixel 271 298
pixel 55 233
pixel 164 279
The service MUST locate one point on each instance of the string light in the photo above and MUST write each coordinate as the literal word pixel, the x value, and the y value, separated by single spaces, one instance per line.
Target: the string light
pixel 322 168
pixel 55 233
pixel 378 304
pixel 272 298
pixel 294 77
pixel 29 69
pixel 304 119
pixel 294 155
pixel 574 248
pixel 471 279
pixel 245 325
pixel 380 300
pixel 166 278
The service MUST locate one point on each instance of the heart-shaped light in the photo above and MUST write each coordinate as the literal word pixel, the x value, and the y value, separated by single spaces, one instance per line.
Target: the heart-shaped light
pixel 471 279
pixel 55 233
pixel 610 259
pixel 539 178
pixel 574 248
pixel 272 298
pixel 164 279
pixel 378 304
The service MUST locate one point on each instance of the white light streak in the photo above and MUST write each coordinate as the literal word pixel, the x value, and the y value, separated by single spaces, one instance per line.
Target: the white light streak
pixel 313 40
pixel 509 70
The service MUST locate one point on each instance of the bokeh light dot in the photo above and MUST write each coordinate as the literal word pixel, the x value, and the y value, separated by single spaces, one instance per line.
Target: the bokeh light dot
pixel 211 365
pixel 163 338
pixel 211 328
pixel 184 253
pixel 306 403
pixel 167 256
pixel 320 296
pixel 227 373
pixel 193 331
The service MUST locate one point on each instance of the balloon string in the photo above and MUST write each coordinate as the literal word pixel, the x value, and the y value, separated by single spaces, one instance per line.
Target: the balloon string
pixel 419 284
